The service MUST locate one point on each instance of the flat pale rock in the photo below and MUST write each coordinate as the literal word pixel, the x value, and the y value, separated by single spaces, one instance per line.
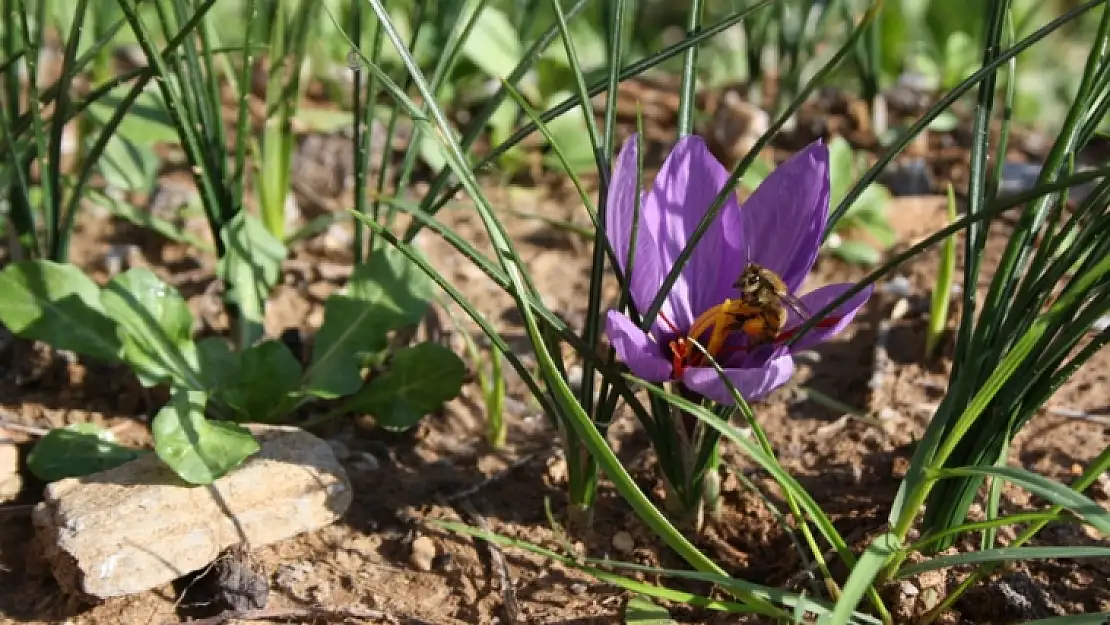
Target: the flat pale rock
pixel 139 526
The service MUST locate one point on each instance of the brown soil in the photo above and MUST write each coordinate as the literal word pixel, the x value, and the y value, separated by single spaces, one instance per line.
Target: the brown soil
pixel 346 572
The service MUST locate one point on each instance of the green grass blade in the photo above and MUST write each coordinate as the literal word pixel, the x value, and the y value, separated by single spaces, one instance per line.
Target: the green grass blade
pixel 942 291
pixel 686 92
pixel 1055 492
pixel 773 595
pixel 943 104
pixel 996 207
pixel 477 126
pixel 994 523
pixel 495 338
pixel 631 71
pixel 861 579
pixel 1001 555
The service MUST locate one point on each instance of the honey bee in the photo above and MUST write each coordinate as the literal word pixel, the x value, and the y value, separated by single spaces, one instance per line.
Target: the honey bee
pixel 767 297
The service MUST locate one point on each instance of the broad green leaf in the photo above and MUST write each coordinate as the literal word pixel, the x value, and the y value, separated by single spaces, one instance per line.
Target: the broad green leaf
pixel 840 169
pixel 641 611
pixel 862 577
pixel 385 293
pixel 857 252
pixel 494 46
pixel 431 152
pixel 251 266
pixel 419 380
pixel 217 365
pixel 128 165
pixel 568 131
pixel 267 373
pixel 77 450
pixel 155 326
pixel 321 120
pixel 200 451
pixel 145 219
pixel 589 46
pixel 146 122
pixel 57 304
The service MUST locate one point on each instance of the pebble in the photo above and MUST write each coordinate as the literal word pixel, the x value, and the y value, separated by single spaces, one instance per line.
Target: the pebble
pixel 623 543
pixel 366 462
pixel 898 286
pixel 423 553
pixel 11 483
pixel 1101 324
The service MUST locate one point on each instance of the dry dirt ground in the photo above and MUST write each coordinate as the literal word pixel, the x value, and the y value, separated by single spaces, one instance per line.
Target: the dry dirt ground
pixel 363 563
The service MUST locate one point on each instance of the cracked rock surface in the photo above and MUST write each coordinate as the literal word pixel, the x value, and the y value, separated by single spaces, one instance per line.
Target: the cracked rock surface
pixel 138 526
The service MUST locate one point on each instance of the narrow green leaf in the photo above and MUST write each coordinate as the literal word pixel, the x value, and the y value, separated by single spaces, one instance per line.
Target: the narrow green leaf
pixel 1004 554
pixel 198 450
pixel 419 380
pixel 57 303
pixel 641 611
pixel 862 577
pixel 1043 487
pixel 77 450
pixel 144 219
pixel 385 293
pixel 250 266
pixel 942 291
pixel 593 566
pixel 155 326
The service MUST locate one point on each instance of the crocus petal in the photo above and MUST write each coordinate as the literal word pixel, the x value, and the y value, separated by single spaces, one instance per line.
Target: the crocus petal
pixel 784 217
pixel 753 382
pixel 636 349
pixel 683 190
pixel 819 298
pixel 620 211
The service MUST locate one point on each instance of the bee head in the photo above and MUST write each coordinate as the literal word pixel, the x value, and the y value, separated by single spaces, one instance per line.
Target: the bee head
pixel 750 280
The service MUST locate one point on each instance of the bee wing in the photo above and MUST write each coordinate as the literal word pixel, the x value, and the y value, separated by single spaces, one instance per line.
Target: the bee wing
pixel 797 306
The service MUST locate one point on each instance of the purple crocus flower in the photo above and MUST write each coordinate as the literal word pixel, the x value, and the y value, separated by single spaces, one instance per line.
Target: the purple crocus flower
pixel 779 228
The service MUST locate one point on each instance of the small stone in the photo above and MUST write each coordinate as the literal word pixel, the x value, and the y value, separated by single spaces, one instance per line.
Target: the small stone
pixel 11 483
pixel 1101 324
pixel 623 543
pixel 340 450
pixel 898 286
pixel 909 590
pixel 366 462
pixel 737 126
pixel 423 553
pixel 292 485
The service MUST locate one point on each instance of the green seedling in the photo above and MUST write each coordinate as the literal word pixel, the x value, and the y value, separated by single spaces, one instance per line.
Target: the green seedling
pixel 144 323
pixel 942 292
